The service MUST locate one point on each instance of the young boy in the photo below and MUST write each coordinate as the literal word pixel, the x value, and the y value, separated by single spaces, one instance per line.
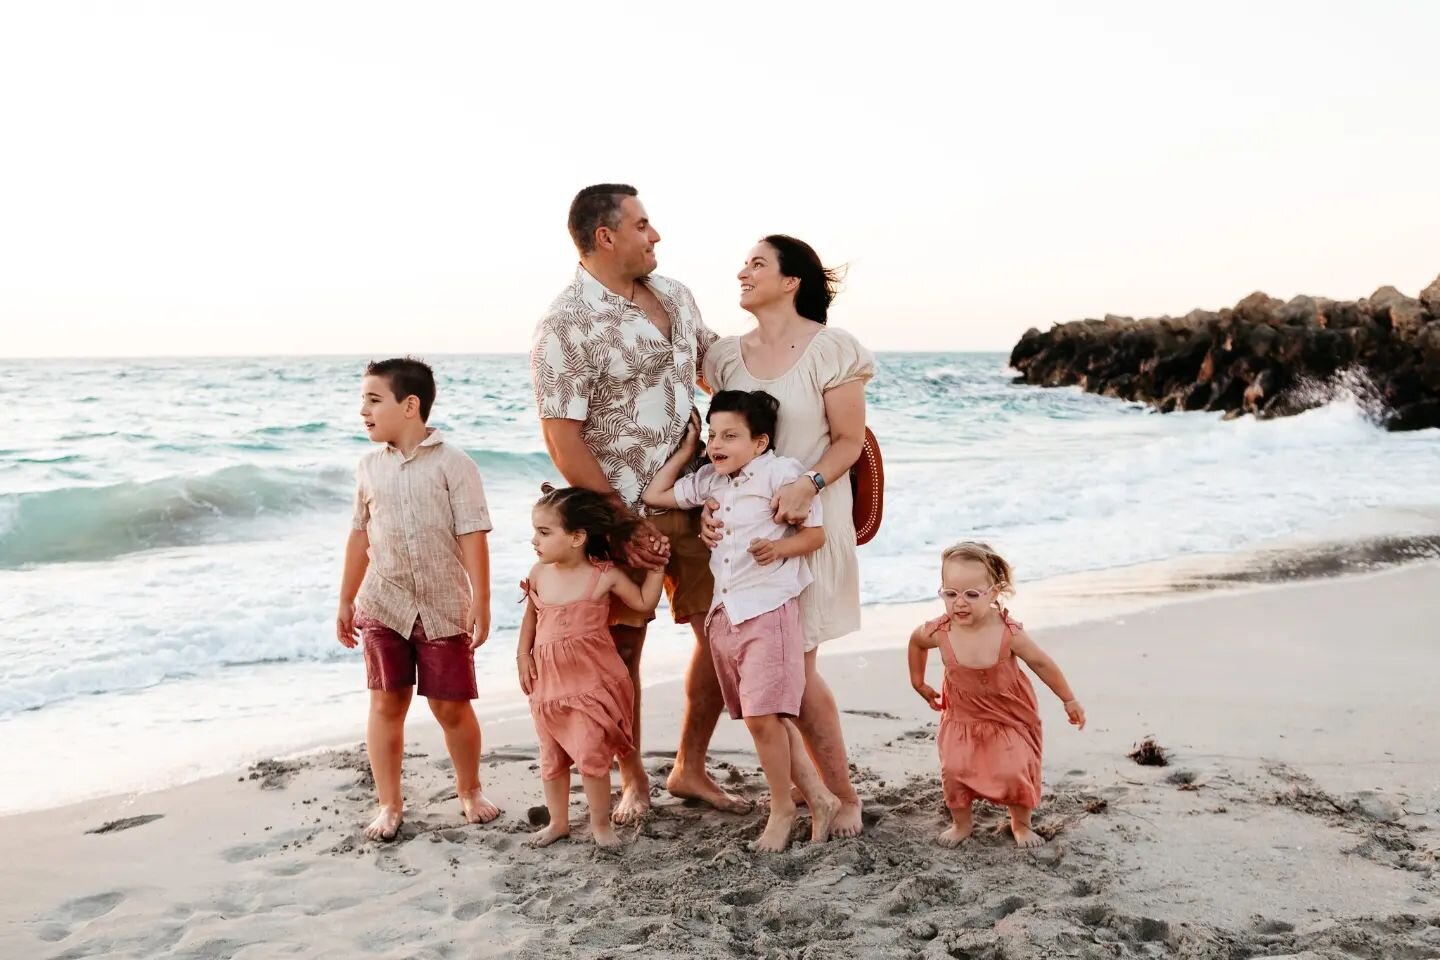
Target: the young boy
pixel 418 557
pixel 754 620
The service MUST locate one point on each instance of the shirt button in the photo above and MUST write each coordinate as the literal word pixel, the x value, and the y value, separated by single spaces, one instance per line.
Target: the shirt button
pixel 724 589
pixel 727 559
pixel 727 509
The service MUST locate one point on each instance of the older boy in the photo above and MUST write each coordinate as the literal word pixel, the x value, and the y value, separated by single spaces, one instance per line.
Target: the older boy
pixel 418 557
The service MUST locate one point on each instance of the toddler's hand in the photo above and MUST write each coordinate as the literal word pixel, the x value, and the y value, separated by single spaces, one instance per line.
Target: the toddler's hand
pixel 477 623
pixel 1075 712
pixel 930 696
pixel 526 665
pixel 763 551
pixel 345 625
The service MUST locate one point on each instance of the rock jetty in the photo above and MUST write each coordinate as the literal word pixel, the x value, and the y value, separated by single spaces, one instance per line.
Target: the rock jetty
pixel 1263 356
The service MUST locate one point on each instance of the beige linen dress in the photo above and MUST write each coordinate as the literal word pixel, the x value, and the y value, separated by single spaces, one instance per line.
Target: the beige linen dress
pixel 830 606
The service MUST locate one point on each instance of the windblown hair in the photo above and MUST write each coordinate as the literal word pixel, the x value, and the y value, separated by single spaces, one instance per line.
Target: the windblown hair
pixel 996 565
pixel 606 529
pixel 818 283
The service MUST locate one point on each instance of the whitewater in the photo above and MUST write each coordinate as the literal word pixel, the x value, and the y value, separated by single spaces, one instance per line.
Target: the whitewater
pixel 171 530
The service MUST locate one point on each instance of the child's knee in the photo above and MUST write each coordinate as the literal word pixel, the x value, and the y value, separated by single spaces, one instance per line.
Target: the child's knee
pixel 390 705
pixel 451 713
pixel 767 724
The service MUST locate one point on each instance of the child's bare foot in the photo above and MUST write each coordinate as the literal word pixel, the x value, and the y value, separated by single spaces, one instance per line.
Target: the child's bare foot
pixel 847 822
pixel 702 787
pixel 1020 829
pixel 548 835
pixel 604 836
pixel 476 808
pixel 822 817
pixel 386 823
pixel 634 804
pixel 959 831
pixel 777 832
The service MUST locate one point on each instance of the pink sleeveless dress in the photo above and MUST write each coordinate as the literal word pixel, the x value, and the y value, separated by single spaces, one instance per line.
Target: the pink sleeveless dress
pixel 582 702
pixel 990 740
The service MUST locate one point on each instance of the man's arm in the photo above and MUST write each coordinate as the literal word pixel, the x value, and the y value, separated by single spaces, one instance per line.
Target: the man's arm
pixel 648 547
pixel 573 457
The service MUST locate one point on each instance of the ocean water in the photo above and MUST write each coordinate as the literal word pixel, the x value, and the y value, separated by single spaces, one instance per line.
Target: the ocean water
pixel 171 530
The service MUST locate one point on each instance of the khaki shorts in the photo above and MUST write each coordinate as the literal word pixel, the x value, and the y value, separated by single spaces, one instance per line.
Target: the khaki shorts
pixel 688 582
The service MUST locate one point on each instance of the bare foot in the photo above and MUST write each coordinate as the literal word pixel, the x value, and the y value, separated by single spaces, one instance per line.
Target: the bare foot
pixel 548 835
pixel 634 804
pixel 1020 828
pixel 822 817
pixel 847 822
pixel 604 836
pixel 476 808
pixel 706 790
pixel 777 832
pixel 386 823
pixel 959 831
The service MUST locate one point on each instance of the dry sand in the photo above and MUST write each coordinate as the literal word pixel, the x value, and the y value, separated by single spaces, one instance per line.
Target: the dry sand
pixel 1297 819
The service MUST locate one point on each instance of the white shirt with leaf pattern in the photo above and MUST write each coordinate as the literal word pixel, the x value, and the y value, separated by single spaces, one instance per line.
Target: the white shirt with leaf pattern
pixel 597 358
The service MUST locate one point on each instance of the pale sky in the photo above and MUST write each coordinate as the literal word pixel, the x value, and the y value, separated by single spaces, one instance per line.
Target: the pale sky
pixel 342 177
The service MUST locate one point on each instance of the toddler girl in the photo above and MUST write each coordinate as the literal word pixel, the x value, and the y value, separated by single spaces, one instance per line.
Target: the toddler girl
pixel 990 740
pixel 581 696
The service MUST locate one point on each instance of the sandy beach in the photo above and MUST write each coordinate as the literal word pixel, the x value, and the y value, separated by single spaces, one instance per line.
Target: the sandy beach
pixel 1296 818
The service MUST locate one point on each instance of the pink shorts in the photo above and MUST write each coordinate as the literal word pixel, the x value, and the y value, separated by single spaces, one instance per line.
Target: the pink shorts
pixel 761 662
pixel 445 667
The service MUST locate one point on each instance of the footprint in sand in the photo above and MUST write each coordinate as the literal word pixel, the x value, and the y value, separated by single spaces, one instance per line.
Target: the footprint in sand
pixel 77 911
pixel 1007 906
pixel 243 853
pixel 287 869
pixel 88 908
pixel 469 911
pixel 743 898
pixel 872 714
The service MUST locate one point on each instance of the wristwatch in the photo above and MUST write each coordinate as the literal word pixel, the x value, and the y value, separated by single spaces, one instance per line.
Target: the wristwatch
pixel 817 479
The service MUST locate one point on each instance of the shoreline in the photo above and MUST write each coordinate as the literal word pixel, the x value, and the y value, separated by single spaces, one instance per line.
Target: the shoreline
pixel 1363 547
pixel 1295 815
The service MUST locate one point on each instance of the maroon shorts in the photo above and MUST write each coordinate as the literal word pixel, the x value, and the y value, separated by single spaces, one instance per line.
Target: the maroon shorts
pixel 445 667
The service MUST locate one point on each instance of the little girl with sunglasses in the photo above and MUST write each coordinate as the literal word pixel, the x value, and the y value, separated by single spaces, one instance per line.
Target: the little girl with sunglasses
pixel 990 741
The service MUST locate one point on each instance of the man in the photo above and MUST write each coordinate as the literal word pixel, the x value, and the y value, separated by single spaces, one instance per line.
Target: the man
pixel 614 365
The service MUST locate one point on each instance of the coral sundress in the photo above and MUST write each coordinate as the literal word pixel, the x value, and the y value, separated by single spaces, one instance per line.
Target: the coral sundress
pixel 582 701
pixel 990 739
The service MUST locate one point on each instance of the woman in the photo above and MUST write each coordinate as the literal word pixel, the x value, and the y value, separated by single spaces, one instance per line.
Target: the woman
pixel 818 374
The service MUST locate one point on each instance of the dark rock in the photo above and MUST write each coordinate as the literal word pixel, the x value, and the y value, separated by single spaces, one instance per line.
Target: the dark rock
pixel 1261 357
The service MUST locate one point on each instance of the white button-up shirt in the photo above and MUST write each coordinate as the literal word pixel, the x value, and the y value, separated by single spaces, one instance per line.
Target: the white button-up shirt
pixel 744 587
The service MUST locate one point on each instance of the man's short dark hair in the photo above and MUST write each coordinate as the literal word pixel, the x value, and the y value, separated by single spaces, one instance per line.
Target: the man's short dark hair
pixel 407 377
pixel 758 408
pixel 596 207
